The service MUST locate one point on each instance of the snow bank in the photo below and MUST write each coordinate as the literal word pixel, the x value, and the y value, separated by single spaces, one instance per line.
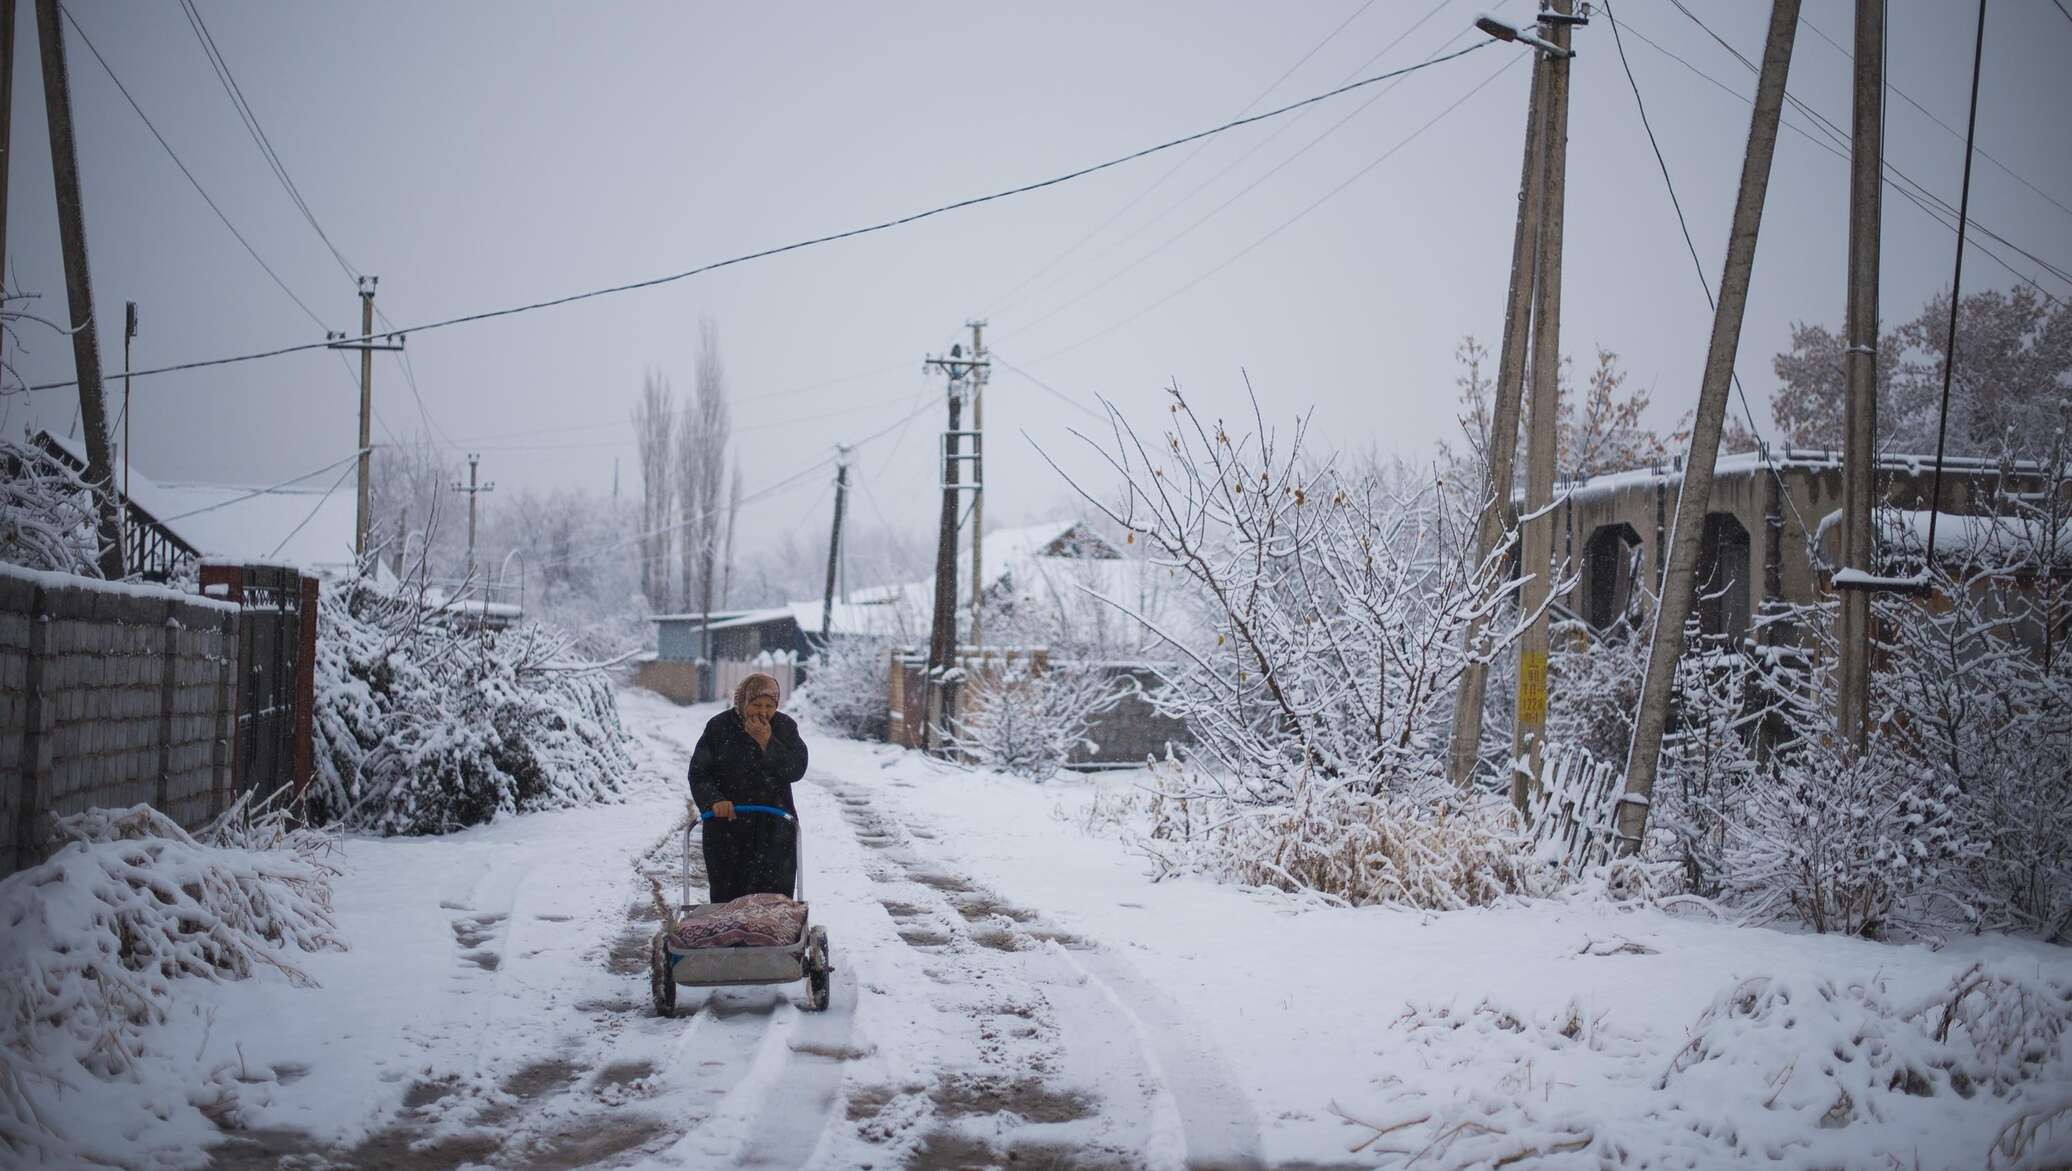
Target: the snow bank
pixel 96 938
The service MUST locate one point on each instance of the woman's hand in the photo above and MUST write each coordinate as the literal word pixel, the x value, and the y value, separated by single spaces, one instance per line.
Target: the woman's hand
pixel 724 810
pixel 758 726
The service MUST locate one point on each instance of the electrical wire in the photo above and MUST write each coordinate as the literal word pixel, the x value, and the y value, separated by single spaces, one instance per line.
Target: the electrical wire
pixel 1247 189
pixel 1287 223
pixel 191 180
pixel 1841 141
pixel 1942 422
pixel 1060 395
pixel 263 491
pixel 797 245
pixel 1930 115
pixel 1190 156
pixel 250 118
pixel 312 512
pixel 1704 283
pixel 1896 180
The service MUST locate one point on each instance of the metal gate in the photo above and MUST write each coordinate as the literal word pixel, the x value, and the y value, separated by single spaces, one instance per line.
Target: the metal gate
pixel 276 672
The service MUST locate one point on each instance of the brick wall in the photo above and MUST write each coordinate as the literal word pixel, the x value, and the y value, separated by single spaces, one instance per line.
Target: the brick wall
pixel 109 696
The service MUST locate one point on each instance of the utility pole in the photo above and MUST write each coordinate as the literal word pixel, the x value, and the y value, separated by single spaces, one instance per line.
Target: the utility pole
pixel 834 539
pixel 1497 515
pixel 1678 580
pixel 365 343
pixel 6 119
pixel 1860 362
pixel 129 334
pixel 473 490
pixel 942 641
pixel 79 294
pixel 978 480
pixel 1536 559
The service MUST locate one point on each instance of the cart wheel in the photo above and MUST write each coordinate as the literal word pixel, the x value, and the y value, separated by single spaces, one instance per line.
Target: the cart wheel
pixel 817 970
pixel 660 981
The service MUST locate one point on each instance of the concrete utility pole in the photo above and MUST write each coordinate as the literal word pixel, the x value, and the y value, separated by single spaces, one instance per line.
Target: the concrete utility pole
pixel 978 480
pixel 1497 514
pixel 363 517
pixel 473 490
pixel 79 292
pixel 942 642
pixel 834 539
pixel 1678 581
pixel 1536 558
pixel 1860 414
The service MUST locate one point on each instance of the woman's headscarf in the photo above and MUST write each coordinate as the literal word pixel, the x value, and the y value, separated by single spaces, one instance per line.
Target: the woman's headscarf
pixel 752 686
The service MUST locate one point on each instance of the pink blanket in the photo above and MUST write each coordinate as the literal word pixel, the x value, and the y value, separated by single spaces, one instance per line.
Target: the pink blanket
pixel 761 920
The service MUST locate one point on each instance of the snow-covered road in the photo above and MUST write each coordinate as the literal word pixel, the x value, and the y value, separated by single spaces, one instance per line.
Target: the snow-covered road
pixel 493 1009
pixel 1011 990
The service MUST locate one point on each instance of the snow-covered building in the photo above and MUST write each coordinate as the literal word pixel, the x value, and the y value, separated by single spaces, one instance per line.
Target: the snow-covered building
pixel 1772 529
pixel 307 524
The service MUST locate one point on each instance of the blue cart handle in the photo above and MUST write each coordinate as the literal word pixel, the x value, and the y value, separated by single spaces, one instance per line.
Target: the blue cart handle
pixel 771 810
pixel 705 815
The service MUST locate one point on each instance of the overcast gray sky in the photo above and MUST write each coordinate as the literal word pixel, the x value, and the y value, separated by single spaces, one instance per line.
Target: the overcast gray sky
pixel 478 155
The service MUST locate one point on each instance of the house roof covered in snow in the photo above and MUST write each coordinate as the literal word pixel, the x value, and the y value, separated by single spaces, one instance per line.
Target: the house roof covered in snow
pixel 307 524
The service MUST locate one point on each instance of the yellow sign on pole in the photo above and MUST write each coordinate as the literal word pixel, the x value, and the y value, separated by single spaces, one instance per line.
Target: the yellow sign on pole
pixel 1532 688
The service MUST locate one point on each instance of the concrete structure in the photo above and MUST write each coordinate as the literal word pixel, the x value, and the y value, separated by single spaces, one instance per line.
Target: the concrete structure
pixel 110 695
pixel 1771 531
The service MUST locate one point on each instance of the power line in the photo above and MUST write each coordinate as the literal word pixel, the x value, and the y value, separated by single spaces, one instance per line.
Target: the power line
pixel 1747 411
pixel 1026 281
pixel 1942 421
pixel 1060 395
pixel 833 237
pixel 192 181
pixel 1895 180
pixel 250 118
pixel 1930 115
pixel 314 510
pixel 1841 140
pixel 260 491
pixel 1290 221
pixel 1241 192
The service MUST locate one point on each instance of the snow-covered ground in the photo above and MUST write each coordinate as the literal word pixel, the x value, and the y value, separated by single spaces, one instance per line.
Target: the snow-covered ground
pixel 1012 990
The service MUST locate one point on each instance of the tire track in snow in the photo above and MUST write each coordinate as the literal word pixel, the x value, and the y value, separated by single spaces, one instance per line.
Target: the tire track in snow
pixel 1185 1112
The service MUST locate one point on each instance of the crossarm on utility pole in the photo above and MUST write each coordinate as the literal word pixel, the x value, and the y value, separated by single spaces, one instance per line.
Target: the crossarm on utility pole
pixel 1693 498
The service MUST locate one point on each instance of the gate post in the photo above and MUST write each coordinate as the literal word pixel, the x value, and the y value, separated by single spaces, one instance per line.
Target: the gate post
pixel 306 688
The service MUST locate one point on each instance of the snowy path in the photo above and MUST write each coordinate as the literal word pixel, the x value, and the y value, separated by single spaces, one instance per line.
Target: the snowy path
pixel 493 1011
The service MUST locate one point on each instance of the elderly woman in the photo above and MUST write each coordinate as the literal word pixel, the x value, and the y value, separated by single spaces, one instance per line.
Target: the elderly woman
pixel 750 754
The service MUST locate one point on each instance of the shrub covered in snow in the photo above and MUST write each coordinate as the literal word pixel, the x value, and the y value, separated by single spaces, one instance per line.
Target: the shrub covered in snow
pixel 424 725
pixel 1026 718
pixel 46 513
pixel 1336 603
pixel 846 686
pixel 97 936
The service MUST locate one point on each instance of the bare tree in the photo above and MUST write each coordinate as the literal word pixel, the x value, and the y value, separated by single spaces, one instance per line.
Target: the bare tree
pixel 703 434
pixel 726 577
pixel 654 424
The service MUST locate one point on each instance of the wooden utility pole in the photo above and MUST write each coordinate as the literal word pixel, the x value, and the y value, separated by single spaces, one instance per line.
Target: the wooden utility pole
pixel 6 120
pixel 1536 557
pixel 1679 577
pixel 834 540
pixel 1860 362
pixel 473 490
pixel 129 334
pixel 1497 514
pixel 942 641
pixel 978 480
pixel 79 293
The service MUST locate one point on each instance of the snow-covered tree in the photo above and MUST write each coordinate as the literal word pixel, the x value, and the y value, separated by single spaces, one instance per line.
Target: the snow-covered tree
pixel 46 513
pixel 1026 717
pixel 847 684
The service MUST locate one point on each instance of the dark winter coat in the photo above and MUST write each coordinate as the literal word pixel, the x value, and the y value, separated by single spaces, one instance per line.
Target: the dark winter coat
pixel 754 853
pixel 728 765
